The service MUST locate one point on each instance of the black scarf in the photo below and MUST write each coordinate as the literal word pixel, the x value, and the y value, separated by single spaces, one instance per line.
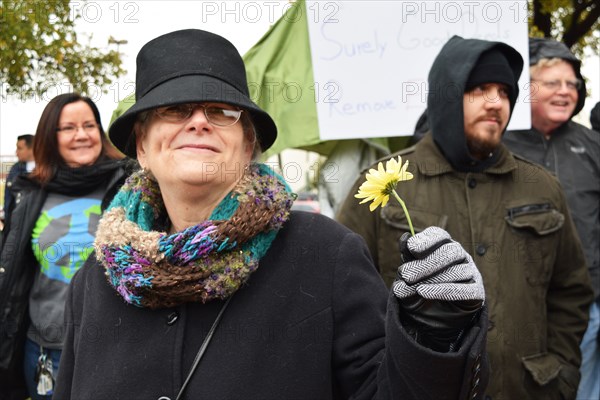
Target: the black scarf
pixel 79 181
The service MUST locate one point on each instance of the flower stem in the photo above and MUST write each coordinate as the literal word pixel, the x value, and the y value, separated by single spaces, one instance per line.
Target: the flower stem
pixel 412 231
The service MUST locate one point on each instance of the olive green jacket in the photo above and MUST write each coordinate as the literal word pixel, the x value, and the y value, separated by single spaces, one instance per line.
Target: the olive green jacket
pixel 513 219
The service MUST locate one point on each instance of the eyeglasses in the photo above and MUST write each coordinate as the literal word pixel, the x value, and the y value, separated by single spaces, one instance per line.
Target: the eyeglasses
pixel 72 129
pixel 215 115
pixel 557 84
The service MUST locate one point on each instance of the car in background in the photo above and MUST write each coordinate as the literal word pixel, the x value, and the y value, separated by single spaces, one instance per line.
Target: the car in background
pixel 307 201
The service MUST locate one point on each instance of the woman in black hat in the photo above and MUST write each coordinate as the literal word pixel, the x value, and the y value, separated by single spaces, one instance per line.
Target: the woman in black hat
pixel 205 285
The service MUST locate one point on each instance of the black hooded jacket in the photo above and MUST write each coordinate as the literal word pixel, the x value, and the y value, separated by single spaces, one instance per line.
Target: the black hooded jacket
pixel 447 79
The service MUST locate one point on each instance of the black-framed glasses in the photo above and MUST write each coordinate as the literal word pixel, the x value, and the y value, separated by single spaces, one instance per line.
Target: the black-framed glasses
pixel 215 115
pixel 557 84
pixel 88 127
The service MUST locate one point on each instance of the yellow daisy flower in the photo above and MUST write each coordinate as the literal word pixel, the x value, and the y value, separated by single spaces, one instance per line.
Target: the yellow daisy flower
pixel 381 183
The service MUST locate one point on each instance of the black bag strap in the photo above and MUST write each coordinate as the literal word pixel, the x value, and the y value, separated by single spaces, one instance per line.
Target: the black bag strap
pixel 202 349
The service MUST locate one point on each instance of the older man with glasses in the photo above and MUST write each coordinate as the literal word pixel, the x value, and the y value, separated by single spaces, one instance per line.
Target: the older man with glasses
pixel 572 152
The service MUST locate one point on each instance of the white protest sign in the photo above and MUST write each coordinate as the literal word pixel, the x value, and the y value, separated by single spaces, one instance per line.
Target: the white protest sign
pixel 371 58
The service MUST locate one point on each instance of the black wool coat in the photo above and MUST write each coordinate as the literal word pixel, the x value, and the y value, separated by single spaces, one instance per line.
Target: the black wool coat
pixel 309 324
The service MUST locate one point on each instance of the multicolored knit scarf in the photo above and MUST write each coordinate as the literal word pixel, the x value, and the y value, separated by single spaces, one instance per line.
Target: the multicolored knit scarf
pixel 211 260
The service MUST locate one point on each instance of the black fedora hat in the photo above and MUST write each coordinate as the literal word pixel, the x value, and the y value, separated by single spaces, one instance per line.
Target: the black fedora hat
pixel 189 66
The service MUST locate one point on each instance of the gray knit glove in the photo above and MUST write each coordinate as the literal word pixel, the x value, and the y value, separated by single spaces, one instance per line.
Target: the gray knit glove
pixel 440 289
pixel 440 268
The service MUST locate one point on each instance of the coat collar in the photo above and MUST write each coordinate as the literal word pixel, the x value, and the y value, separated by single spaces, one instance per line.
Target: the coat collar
pixel 431 162
pixel 533 136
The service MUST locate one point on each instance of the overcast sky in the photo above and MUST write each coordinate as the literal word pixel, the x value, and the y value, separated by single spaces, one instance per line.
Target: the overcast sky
pixel 242 22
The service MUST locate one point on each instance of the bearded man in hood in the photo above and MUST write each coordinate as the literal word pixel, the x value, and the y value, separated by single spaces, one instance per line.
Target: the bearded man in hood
pixel 510 215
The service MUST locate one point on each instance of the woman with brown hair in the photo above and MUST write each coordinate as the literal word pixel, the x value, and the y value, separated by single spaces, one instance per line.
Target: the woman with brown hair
pixel 49 235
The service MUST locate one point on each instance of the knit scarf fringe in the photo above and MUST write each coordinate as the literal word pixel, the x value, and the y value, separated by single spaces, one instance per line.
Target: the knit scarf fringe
pixel 211 260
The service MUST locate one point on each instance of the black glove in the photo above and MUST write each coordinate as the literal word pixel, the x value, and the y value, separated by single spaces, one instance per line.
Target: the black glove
pixel 440 289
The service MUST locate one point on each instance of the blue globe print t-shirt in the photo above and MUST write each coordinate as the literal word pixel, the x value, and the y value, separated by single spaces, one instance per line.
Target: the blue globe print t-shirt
pixel 62 239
